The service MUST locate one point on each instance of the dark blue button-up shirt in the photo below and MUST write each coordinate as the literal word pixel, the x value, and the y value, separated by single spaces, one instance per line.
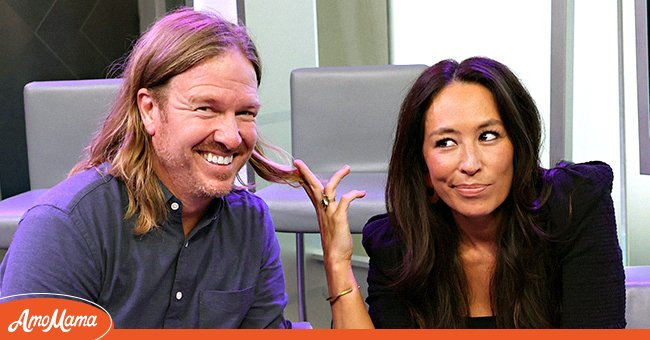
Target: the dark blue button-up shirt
pixel 225 274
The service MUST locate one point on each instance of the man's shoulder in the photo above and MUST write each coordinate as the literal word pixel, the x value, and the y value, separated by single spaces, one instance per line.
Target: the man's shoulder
pixel 251 216
pixel 86 186
pixel 244 198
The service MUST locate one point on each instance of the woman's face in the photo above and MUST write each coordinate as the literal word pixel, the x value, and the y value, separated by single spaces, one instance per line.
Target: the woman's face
pixel 467 151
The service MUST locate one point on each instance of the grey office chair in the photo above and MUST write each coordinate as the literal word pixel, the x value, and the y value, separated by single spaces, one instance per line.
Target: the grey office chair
pixel 637 296
pixel 339 115
pixel 60 117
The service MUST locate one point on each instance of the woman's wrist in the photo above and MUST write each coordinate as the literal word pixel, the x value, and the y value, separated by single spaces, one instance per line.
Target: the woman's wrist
pixel 340 278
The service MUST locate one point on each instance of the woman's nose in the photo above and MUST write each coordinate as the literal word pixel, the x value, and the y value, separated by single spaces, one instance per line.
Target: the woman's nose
pixel 471 161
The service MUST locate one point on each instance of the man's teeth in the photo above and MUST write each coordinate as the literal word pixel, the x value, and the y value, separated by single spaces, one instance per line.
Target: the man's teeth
pixel 214 159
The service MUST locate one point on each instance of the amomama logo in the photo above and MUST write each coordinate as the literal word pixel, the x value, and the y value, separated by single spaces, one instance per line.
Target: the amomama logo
pixel 52 315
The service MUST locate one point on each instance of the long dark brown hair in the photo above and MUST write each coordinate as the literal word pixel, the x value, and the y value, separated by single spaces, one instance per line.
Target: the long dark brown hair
pixel 431 276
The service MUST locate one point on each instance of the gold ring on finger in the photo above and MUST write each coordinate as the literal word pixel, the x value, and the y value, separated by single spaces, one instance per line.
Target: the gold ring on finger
pixel 325 201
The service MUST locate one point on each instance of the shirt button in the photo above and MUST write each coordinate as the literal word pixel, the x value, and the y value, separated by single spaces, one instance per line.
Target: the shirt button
pixel 179 295
pixel 175 206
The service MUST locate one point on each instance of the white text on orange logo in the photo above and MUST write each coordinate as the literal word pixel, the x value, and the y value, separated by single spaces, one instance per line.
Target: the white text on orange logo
pixel 64 322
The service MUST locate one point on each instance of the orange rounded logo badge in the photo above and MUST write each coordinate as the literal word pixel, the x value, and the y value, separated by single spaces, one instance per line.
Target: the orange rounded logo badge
pixel 49 315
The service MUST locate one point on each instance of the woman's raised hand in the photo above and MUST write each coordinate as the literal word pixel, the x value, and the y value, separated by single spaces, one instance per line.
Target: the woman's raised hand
pixel 348 309
pixel 332 213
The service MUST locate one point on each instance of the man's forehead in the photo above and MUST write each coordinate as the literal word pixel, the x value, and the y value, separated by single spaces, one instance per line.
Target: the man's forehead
pixel 232 71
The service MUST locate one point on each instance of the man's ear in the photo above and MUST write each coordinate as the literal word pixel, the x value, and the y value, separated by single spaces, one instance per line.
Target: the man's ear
pixel 148 109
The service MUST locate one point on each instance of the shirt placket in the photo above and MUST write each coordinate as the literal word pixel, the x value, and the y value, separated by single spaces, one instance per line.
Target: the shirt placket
pixel 181 292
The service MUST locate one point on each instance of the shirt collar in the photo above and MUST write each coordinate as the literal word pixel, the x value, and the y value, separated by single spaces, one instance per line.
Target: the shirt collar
pixel 214 209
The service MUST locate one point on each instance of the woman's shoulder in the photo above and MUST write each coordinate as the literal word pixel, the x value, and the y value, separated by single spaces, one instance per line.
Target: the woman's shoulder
pixel 576 177
pixel 378 230
pixel 577 188
pixel 379 236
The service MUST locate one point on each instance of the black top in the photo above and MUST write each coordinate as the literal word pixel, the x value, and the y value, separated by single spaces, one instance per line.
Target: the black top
pixel 591 277
pixel 482 322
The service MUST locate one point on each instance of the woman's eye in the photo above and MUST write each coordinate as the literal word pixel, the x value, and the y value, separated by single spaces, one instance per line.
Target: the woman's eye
pixel 445 143
pixel 489 136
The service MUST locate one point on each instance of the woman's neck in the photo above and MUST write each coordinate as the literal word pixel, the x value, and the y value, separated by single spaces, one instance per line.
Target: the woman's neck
pixel 478 251
pixel 477 231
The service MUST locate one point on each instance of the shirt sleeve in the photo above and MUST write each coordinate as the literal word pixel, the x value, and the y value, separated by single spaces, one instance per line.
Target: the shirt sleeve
pixel 270 296
pixel 49 255
pixel 592 275
pixel 386 308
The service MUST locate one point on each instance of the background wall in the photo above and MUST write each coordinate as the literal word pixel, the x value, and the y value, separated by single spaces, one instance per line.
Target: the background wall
pixel 46 40
pixel 352 32
pixel 637 186
pixel 285 34
pixel 427 32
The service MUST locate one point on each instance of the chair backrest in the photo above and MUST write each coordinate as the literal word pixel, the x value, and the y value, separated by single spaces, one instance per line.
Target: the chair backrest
pixel 60 118
pixel 345 115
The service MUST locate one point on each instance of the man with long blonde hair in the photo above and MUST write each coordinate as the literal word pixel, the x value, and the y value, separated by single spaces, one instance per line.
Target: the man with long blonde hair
pixel 149 225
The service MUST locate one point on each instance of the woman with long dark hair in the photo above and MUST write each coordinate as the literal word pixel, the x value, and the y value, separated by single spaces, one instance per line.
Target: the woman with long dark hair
pixel 477 233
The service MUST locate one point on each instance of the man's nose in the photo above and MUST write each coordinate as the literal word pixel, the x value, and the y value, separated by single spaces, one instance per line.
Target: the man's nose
pixel 227 132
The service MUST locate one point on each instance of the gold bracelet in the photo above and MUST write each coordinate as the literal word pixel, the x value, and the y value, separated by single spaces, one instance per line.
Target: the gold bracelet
pixel 333 299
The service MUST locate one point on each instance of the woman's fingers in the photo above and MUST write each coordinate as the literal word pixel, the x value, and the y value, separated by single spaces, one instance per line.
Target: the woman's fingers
pixel 339 213
pixel 312 184
pixel 308 175
pixel 336 179
pixel 346 199
pixel 325 196
pixel 329 191
pixel 332 213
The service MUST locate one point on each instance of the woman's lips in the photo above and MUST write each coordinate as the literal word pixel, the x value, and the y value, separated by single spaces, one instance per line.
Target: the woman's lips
pixel 470 190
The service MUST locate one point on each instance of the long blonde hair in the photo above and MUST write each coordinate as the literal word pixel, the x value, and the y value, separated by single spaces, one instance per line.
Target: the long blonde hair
pixel 177 42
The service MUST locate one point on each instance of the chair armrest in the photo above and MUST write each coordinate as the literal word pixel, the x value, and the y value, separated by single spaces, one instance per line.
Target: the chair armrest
pixel 12 210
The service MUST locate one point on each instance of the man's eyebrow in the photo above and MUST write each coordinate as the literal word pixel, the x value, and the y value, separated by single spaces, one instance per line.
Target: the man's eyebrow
pixel 202 98
pixel 252 104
